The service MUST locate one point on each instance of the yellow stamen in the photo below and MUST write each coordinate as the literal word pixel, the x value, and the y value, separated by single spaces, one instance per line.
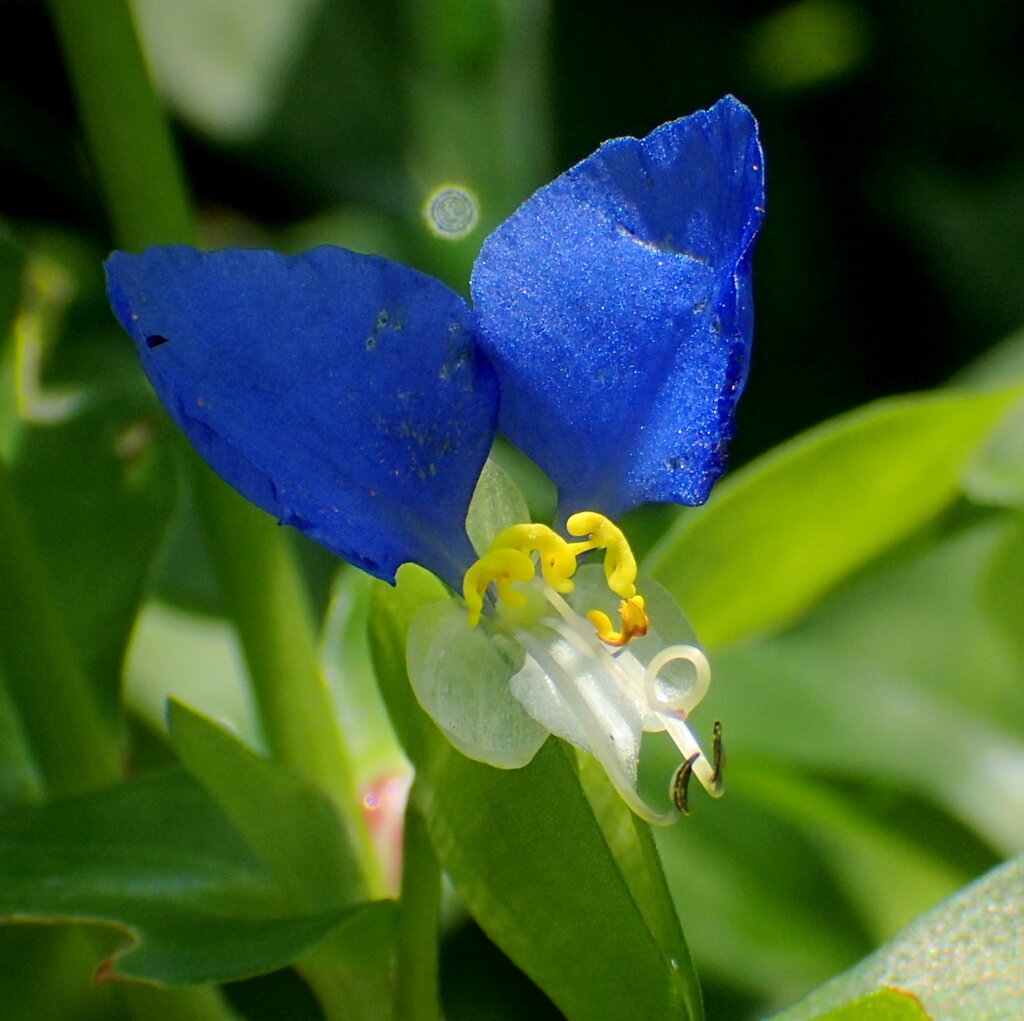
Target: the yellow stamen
pixel 503 567
pixel 634 622
pixel 510 560
pixel 619 562
pixel 557 560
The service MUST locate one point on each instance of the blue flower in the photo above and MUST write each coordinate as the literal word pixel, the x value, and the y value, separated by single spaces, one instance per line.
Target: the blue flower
pixel 356 399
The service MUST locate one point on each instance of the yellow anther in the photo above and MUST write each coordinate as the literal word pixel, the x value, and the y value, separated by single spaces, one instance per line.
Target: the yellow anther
pixel 619 562
pixel 634 622
pixel 557 560
pixel 503 567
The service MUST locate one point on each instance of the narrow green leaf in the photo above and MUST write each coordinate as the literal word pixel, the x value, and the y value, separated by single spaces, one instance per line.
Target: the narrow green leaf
pixel 1003 586
pixel 39 668
pixel 156 859
pixel 779 534
pixel 528 856
pixel 902 679
pixel 292 825
pixel 391 615
pixel 417 997
pixel 129 138
pixel 883 1005
pixel 632 843
pixel 99 491
pixel 737 853
pixel 12 262
pixel 996 475
pixel 18 778
pixel 963 959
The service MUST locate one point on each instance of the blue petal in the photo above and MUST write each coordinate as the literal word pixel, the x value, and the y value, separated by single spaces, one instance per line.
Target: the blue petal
pixel 615 306
pixel 340 392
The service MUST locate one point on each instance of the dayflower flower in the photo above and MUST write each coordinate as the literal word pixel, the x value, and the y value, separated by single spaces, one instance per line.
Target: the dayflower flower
pixel 357 399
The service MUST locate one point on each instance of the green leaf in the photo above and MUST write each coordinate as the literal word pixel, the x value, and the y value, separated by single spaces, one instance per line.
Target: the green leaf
pixel 888 878
pixel 779 534
pixel 1003 586
pixel 18 778
pixel 530 862
pixel 156 859
pixel 997 475
pixel 345 651
pixel 901 679
pixel 391 615
pixel 883 1005
pixel 417 996
pixel 193 658
pixel 98 490
pixel 12 261
pixel 352 972
pixel 737 853
pixel 288 822
pixel 632 843
pixel 529 858
pixel 962 959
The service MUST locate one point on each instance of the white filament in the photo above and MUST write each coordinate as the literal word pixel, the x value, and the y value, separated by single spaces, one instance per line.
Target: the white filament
pixel 684 701
pixel 667 702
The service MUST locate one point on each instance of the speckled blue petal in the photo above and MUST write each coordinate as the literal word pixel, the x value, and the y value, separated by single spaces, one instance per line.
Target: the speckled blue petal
pixel 340 392
pixel 615 306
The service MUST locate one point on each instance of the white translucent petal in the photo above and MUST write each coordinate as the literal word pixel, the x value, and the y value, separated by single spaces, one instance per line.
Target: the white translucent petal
pixel 679 681
pixel 567 687
pixel 460 675
pixel 610 716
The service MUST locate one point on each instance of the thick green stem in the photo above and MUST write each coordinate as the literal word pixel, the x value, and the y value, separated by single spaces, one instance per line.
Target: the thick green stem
pixel 416 978
pixel 71 747
pixel 137 166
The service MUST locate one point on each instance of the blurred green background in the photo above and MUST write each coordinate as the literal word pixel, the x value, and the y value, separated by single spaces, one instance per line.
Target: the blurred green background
pixel 891 258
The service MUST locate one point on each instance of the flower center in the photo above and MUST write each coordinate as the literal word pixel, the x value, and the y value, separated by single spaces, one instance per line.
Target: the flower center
pixel 580 667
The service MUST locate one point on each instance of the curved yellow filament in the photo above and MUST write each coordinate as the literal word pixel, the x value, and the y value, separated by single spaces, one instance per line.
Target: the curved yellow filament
pixel 557 560
pixel 503 567
pixel 619 562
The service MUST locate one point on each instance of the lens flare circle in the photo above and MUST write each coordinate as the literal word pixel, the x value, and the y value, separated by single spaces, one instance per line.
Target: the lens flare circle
pixel 451 211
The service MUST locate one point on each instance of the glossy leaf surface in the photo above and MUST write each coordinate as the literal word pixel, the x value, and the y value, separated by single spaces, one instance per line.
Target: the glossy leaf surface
pixel 962 960
pixel 157 860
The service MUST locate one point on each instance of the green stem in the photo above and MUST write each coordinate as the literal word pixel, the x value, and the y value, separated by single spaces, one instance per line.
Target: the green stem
pixel 416 950
pixel 72 748
pixel 259 580
pixel 128 135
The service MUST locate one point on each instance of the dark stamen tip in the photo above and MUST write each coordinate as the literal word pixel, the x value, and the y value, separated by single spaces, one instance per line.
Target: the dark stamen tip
pixel 155 340
pixel 681 784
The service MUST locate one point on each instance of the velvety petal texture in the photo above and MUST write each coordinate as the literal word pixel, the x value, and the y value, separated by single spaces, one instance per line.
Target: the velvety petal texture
pixel 615 307
pixel 339 392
